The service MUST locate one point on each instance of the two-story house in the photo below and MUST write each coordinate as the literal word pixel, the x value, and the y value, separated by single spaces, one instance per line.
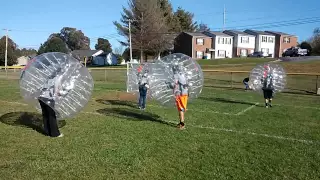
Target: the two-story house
pixel 221 43
pixel 243 43
pixel 283 42
pixel 196 45
pixel 265 42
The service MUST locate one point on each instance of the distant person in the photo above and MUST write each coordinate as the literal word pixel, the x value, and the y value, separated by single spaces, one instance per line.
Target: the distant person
pixel 267 86
pixel 181 93
pixel 49 92
pixel 143 90
pixel 246 83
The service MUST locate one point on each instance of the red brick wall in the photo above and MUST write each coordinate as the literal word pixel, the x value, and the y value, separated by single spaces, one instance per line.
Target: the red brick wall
pixel 293 42
pixel 203 48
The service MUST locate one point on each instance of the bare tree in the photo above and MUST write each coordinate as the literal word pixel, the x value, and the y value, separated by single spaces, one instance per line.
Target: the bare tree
pixel 148 29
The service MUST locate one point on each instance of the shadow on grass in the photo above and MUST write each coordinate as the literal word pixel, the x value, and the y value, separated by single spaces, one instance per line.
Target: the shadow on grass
pixel 27 119
pixel 118 103
pixel 226 100
pixel 134 115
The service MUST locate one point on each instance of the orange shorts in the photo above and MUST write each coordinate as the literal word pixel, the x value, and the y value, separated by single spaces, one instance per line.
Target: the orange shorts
pixel 181 102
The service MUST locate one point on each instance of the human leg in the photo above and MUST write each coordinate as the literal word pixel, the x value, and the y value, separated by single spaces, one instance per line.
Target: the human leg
pixel 54 129
pixel 45 119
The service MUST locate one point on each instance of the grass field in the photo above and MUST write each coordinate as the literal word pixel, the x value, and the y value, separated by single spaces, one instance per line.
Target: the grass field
pixel 229 135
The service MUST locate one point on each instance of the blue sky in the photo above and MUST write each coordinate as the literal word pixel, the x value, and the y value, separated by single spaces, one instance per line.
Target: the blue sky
pixel 33 21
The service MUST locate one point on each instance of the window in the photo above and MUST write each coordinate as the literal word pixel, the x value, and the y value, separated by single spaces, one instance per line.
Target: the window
pixel 229 40
pixel 286 40
pixel 264 38
pixel 200 41
pixel 270 39
pixel 245 40
pixel 199 54
pixel 219 40
pixel 221 53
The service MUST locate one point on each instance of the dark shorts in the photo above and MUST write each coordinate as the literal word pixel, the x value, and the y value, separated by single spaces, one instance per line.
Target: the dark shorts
pixel 267 94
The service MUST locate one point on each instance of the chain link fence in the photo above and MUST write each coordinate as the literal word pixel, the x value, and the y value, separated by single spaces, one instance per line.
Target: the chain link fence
pixel 299 83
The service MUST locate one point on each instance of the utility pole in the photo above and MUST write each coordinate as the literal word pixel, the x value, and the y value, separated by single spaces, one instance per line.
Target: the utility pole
pixel 130 40
pixel 224 17
pixel 6 52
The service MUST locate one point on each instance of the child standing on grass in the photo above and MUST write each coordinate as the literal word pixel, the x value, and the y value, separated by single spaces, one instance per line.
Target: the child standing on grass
pixel 143 90
pixel 181 93
pixel 267 88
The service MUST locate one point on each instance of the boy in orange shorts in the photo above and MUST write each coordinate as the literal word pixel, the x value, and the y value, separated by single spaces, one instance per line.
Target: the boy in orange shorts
pixel 181 93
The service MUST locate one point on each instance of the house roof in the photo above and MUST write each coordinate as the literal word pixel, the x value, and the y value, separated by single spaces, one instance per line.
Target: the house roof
pixel 82 53
pixel 255 32
pixel 198 34
pixel 218 33
pixel 236 32
pixel 279 33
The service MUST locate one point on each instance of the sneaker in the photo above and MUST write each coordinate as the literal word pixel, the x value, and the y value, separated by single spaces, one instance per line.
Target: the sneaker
pixel 181 126
pixel 270 105
pixel 267 106
pixel 61 135
pixel 143 109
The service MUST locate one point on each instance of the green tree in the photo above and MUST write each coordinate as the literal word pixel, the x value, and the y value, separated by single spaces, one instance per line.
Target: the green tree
pixel 185 20
pixel 104 45
pixel 203 27
pixel 55 44
pixel 306 45
pixel 12 58
pixel 75 39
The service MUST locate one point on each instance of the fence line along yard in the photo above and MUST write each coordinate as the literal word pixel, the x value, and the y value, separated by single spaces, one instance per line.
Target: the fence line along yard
pixel 305 83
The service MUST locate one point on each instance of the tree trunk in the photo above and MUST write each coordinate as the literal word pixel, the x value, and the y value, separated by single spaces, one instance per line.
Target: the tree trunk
pixel 141 55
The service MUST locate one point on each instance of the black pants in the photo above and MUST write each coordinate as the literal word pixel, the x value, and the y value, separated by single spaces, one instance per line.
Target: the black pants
pixel 267 94
pixel 49 119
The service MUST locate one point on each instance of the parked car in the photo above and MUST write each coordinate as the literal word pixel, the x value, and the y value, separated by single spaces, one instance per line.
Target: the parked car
pixel 295 51
pixel 258 54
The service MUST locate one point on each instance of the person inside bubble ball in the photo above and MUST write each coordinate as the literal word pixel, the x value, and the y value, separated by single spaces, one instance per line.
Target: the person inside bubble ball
pixel 50 91
pixel 181 93
pixel 267 88
pixel 143 90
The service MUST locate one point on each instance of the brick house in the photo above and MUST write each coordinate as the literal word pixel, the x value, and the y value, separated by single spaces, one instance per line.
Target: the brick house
pixel 194 44
pixel 243 43
pixel 283 42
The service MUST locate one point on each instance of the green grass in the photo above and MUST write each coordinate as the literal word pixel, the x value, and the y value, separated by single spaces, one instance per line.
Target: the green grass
pixel 229 135
pixel 116 141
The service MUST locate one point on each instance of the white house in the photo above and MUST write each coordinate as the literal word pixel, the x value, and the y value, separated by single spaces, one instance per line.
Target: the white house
pixel 243 43
pixel 22 61
pixel 221 43
pixel 105 59
pixel 265 42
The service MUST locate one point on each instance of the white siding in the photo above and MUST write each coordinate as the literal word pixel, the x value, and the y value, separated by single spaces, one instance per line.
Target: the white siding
pixel 251 43
pixel 266 45
pixel 223 47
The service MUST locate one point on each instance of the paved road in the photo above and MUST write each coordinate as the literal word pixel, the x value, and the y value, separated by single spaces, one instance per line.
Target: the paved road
pixel 302 58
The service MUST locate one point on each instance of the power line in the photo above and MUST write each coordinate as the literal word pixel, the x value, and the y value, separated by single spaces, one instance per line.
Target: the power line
pixel 275 23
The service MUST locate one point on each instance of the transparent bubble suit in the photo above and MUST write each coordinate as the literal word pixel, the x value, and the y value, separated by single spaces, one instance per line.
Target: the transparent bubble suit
pixel 268 76
pixel 73 82
pixel 134 74
pixel 162 77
